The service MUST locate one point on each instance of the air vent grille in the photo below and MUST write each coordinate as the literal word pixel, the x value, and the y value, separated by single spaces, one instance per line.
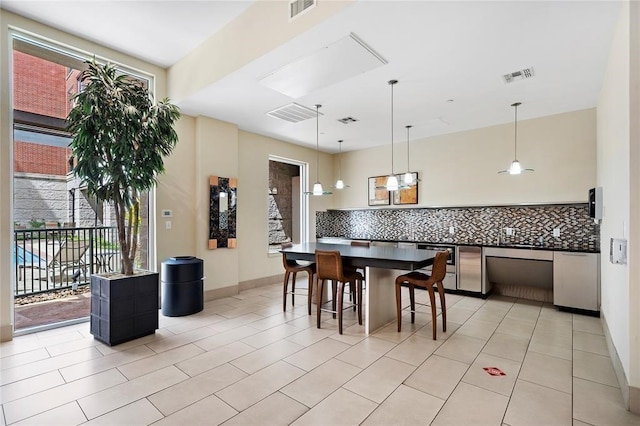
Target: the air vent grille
pixel 519 75
pixel 293 113
pixel 347 120
pixel 296 7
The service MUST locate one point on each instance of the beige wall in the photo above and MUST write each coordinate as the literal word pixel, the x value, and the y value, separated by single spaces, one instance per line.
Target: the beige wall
pixel 461 168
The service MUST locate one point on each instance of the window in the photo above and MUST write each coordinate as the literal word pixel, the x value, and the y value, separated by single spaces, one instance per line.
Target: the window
pixel 287 206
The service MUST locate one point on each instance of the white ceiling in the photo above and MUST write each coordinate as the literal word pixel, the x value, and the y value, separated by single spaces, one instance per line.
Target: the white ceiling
pixel 439 51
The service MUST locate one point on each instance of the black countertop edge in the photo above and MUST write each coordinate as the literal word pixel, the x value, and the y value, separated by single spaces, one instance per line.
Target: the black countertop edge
pixel 452 244
pixel 470 206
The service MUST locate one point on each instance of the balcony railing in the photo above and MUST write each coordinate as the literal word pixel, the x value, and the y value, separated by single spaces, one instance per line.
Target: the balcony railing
pixel 60 258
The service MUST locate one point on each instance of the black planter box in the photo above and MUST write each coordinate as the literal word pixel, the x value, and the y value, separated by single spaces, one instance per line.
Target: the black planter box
pixel 124 308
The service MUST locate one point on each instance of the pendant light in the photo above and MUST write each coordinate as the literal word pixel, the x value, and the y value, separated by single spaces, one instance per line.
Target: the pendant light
pixel 392 180
pixel 339 183
pixel 317 186
pixel 515 168
pixel 408 179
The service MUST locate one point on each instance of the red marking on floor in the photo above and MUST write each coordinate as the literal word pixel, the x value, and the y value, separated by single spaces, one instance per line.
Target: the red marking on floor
pixel 494 371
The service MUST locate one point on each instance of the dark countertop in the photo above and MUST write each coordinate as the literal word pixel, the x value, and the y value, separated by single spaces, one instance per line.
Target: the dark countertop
pixel 548 247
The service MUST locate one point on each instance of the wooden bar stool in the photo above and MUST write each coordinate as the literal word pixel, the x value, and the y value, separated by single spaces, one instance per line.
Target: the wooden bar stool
pixel 418 279
pixel 291 268
pixel 329 267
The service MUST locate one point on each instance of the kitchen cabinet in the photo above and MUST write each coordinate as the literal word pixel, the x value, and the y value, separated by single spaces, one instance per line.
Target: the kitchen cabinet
pixel 576 280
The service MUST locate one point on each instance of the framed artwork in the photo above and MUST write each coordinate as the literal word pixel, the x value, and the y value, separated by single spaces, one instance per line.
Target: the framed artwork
pixel 406 195
pixel 378 195
pixel 223 195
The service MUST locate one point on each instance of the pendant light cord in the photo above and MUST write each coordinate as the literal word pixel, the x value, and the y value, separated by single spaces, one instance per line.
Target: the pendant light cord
pixel 408 168
pixel 392 83
pixel 317 143
pixel 515 138
pixel 340 159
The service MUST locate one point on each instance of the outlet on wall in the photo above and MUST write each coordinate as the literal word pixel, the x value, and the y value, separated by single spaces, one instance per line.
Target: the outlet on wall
pixel 451 230
pixel 508 231
pixel 556 232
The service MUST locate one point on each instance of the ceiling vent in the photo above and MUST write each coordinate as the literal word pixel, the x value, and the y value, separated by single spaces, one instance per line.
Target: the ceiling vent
pixel 347 120
pixel 296 7
pixel 293 113
pixel 519 75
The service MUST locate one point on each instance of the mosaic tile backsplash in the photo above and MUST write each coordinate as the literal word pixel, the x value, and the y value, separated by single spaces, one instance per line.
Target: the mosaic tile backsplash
pixel 532 225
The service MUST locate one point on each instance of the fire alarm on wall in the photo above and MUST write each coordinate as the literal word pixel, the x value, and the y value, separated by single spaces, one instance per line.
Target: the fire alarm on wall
pixel 167 213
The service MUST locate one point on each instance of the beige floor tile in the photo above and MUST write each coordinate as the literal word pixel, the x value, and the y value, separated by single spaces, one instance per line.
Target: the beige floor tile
pixel 524 313
pixel 366 352
pixel 185 393
pixel 60 395
pixel 276 409
pixel 579 423
pixel 587 324
pixel 405 406
pixel 598 404
pixel 58 336
pixel 275 320
pixel 66 347
pixel 507 346
pixel 225 337
pixel 437 376
pixel 459 314
pixel 234 323
pixel 32 369
pixel 320 382
pixel 588 342
pixel 118 396
pixel 461 348
pixel 177 340
pixel 471 405
pixel 309 336
pixel 473 303
pixel 551 350
pixel 159 361
pixel 304 321
pixel 558 327
pixel 547 371
pixel 535 405
pixel 553 338
pixel 477 376
pixel 68 415
pixel 23 358
pixel 380 379
pixel 260 358
pixel 478 329
pixel 194 322
pixel 214 358
pixel 390 332
pixel 489 314
pixel 30 386
pixel 161 333
pixel 254 388
pixel 427 331
pixel 351 335
pixel 517 327
pixel 340 408
pixel 316 354
pixel 271 335
pixel 208 411
pixel 141 413
pixel 414 350
pixel 594 367
pixel 116 359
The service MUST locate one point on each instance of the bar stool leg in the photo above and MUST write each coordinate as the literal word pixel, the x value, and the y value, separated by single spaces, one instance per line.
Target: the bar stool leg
pixel 334 287
pixel 293 290
pixel 340 297
pixel 309 293
pixel 412 297
pixel 285 290
pixel 443 306
pixel 319 291
pixel 359 291
pixel 399 302
pixel 432 298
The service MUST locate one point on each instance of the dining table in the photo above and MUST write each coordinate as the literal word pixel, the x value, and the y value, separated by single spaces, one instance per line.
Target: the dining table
pixel 382 265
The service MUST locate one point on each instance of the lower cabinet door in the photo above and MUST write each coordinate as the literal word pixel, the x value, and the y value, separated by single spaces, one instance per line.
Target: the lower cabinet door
pixel 576 280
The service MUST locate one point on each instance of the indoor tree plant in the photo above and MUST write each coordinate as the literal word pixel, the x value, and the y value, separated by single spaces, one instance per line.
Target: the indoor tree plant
pixel 120 138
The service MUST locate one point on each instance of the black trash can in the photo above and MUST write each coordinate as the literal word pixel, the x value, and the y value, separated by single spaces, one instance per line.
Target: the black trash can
pixel 182 292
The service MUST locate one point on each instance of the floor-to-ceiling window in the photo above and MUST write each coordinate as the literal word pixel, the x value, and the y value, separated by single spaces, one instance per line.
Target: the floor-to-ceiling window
pixel 61 234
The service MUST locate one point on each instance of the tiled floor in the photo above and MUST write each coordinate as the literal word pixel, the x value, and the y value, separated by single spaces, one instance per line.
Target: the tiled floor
pixel 243 361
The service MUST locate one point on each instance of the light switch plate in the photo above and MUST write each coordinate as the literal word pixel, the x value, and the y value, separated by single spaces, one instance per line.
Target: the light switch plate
pixel 618 251
pixel 556 232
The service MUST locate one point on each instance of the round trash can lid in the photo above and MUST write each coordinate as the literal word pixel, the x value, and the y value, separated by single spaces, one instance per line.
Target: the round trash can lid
pixel 182 257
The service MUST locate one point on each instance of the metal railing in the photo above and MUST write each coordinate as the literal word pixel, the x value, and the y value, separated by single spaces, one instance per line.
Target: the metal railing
pixel 58 258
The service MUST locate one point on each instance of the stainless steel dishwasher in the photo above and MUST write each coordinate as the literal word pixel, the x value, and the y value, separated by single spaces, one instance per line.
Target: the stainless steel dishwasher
pixel 469 263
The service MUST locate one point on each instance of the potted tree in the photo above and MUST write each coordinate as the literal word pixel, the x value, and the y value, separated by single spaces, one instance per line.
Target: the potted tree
pixel 120 139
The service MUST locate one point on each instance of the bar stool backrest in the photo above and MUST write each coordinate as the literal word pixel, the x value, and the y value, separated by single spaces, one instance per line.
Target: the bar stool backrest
pixel 439 270
pixel 329 265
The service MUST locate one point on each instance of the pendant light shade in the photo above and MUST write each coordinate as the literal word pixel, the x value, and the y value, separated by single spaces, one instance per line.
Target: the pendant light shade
pixel 408 178
pixel 515 168
pixel 340 183
pixel 392 180
pixel 317 186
